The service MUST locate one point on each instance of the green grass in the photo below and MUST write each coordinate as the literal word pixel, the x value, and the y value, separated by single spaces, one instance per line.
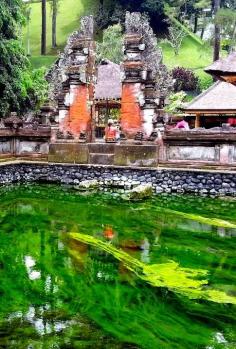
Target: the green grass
pixel 69 15
pixel 42 61
pixel 192 55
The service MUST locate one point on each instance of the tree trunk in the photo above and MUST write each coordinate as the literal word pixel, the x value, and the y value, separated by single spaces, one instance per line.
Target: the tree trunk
pixel 202 32
pixel 216 52
pixel 44 28
pixel 195 22
pixel 233 38
pixel 54 23
pixel 203 27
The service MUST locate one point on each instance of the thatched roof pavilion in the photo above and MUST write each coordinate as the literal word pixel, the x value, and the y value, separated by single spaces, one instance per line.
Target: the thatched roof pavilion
pixel 218 101
pixel 224 69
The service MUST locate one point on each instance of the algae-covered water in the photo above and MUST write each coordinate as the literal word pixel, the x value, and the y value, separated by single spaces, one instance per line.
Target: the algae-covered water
pixel 96 271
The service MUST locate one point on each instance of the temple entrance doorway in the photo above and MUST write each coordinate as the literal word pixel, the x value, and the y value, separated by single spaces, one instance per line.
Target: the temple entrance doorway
pixel 105 110
pixel 107 97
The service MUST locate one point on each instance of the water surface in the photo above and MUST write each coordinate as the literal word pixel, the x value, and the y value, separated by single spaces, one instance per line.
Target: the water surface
pixel 59 292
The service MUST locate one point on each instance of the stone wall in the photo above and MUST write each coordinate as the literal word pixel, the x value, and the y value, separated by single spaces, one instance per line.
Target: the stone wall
pixel 163 180
pixel 199 146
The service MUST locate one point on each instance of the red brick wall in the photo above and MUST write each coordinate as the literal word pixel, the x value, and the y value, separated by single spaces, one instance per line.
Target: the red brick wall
pixel 79 115
pixel 131 121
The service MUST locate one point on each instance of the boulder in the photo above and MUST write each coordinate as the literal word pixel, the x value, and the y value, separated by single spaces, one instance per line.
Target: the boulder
pixel 142 191
pixel 87 185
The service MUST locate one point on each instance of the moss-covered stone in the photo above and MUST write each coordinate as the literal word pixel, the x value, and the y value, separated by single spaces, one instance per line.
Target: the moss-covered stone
pixel 136 155
pixel 142 191
pixel 87 185
pixel 74 153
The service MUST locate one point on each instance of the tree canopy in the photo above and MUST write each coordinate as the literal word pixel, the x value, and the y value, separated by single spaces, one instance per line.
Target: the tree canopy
pixel 16 92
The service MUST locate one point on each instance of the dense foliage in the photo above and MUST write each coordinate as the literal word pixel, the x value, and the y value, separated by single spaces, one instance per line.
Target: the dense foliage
pixel 19 87
pixel 111 46
pixel 184 79
pixel 110 12
pixel 176 102
pixel 12 56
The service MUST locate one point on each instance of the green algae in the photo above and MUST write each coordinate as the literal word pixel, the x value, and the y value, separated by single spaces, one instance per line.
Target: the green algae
pixel 201 219
pixel 181 280
pixel 96 299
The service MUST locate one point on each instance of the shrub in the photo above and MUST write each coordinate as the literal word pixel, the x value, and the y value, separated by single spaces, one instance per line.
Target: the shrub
pixel 205 81
pixel 176 101
pixel 185 80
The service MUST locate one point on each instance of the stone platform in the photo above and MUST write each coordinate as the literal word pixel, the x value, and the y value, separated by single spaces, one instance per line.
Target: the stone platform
pixel 143 155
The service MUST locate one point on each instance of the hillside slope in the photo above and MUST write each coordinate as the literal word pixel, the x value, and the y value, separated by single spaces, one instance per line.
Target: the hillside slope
pixel 69 15
pixel 193 54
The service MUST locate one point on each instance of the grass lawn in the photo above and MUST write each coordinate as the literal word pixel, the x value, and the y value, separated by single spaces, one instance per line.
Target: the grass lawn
pixel 42 61
pixel 193 56
pixel 69 15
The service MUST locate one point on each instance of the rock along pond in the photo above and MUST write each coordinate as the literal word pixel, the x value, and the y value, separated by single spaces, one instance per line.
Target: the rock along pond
pixel 97 271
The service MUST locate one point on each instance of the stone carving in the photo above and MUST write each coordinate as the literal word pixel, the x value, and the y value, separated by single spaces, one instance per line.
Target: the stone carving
pixel 146 81
pixel 132 23
pixel 13 121
pixel 72 79
pixel 87 26
pixel 73 59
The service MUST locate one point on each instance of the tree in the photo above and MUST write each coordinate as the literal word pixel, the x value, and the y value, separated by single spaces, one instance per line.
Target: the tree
pixel 199 6
pixel 226 18
pixel 112 44
pixel 13 60
pixel 54 7
pixel 175 37
pixel 44 28
pixel 17 93
pixel 216 50
pixel 154 9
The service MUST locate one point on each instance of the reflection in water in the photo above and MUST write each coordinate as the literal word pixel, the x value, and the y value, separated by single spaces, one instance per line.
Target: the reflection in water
pixel 30 263
pixel 145 247
pixel 58 294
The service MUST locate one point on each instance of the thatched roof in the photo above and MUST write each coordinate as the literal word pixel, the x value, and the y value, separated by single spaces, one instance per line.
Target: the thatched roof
pixel 108 84
pixel 219 98
pixel 224 66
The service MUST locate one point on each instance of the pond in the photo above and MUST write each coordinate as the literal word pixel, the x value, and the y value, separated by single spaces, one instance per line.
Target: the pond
pixel 95 271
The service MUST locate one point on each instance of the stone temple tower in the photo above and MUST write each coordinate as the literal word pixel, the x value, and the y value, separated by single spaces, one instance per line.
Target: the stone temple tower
pixel 73 82
pixel 142 60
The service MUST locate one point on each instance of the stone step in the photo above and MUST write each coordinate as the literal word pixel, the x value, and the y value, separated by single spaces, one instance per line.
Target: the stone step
pixel 101 148
pixel 101 159
pixel 43 158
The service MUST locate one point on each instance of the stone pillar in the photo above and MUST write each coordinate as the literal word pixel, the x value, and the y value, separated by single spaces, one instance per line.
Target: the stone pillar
pixel 132 94
pixel 141 63
pixel 75 101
